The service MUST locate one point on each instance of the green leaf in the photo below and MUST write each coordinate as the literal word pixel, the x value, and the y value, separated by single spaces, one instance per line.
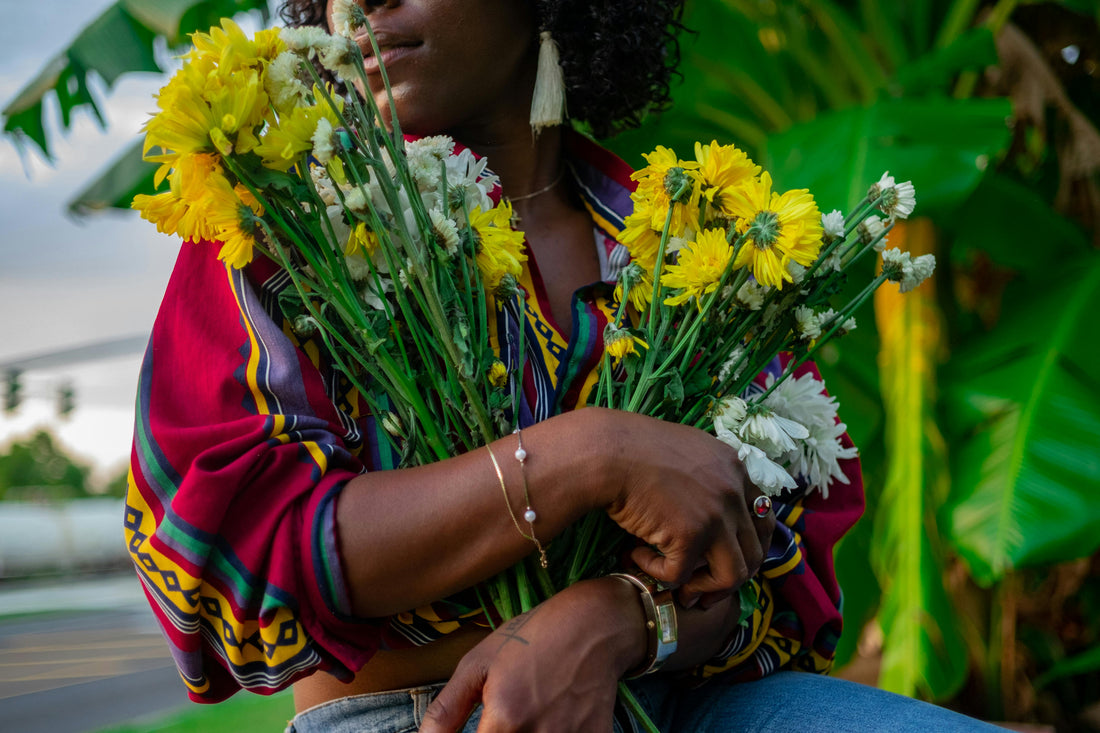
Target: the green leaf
pixel 1083 663
pixel 981 225
pixel 940 144
pixel 115 43
pixel 116 187
pixel 1085 7
pixel 674 390
pixel 119 41
pixel 1028 480
pixel 935 70
pixel 165 17
pixel 749 602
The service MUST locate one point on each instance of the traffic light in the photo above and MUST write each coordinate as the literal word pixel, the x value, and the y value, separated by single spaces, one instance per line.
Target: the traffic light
pixel 13 390
pixel 66 400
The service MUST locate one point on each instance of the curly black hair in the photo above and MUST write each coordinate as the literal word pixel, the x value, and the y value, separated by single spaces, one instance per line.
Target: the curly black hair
pixel 618 57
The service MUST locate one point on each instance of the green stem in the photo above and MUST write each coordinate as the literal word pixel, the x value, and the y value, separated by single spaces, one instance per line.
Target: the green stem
pixel 636 709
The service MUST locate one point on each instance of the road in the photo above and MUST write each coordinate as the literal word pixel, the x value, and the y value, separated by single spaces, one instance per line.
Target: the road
pixel 80 656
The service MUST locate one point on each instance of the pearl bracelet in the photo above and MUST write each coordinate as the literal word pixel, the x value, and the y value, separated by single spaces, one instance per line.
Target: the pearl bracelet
pixel 529 514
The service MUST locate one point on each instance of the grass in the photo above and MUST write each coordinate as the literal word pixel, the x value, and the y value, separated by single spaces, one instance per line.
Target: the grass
pixel 241 713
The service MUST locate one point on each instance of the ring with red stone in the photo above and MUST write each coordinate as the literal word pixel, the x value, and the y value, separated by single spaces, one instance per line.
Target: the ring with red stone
pixel 761 506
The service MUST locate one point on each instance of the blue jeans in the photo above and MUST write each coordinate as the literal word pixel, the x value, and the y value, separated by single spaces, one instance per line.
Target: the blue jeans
pixel 786 702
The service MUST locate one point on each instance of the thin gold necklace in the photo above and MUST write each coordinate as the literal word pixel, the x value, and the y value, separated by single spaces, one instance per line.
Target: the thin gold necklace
pixel 541 191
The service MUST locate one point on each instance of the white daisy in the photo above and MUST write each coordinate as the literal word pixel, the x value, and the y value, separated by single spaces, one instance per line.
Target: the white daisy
pixel 768 476
pixel 817 456
pixel 426 156
pixel 751 295
pixel 803 400
pixel 347 17
pixel 306 39
pixel 282 81
pixel 324 141
pixel 341 56
pixel 807 323
pixel 905 200
pixel 326 189
pixel 772 433
pixel 733 366
pixel 356 200
pixel 872 229
pixel 898 199
pixel 833 224
pixel 731 413
pixel 918 271
pixel 446 230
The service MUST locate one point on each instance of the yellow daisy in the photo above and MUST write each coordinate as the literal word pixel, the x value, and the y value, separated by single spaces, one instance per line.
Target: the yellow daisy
pixel 640 240
pixel 231 212
pixel 658 182
pixel 232 49
pixel 206 113
pixel 361 241
pixel 499 247
pixel 498 374
pixel 722 168
pixel 619 342
pixel 781 228
pixel 286 141
pixel 640 293
pixel 699 267
pixel 163 209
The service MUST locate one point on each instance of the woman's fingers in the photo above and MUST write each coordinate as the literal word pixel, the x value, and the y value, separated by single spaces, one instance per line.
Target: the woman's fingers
pixel 720 563
pixel 448 712
pixel 763 525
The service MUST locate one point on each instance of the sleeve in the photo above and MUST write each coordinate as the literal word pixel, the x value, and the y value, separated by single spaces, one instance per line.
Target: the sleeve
pixel 239 454
pixel 798 622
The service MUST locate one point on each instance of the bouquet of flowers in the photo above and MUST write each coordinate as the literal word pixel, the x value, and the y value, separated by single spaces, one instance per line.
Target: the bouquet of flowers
pixel 400 258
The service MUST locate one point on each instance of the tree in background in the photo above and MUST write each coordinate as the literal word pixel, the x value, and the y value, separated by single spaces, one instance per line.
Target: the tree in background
pixel 37 469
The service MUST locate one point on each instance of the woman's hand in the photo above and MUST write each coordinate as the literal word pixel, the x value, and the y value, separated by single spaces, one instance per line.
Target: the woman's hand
pixel 555 668
pixel 687 496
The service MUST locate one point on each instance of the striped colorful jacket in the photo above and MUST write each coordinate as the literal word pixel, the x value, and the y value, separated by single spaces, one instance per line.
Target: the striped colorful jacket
pixel 245 436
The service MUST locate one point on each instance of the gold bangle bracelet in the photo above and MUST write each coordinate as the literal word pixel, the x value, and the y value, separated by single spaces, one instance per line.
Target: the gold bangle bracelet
pixel 660 612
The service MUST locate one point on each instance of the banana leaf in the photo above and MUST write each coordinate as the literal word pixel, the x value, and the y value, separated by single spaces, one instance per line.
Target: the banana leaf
pixel 1027 487
pixel 942 145
pixel 120 41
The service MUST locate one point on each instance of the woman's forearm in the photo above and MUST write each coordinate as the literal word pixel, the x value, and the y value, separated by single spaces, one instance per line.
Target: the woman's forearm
pixel 411 536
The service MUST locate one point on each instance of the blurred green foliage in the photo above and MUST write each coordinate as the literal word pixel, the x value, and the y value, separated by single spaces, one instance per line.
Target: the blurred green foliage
pixel 998 133
pixel 36 468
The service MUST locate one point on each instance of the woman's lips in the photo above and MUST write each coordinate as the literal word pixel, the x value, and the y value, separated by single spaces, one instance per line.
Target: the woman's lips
pixel 390 56
pixel 392 47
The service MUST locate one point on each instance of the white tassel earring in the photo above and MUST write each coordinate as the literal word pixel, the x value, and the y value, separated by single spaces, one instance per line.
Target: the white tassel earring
pixel 548 101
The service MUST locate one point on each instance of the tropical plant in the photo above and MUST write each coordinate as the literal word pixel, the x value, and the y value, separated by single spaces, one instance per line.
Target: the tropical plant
pixel 981 425
pixel 123 39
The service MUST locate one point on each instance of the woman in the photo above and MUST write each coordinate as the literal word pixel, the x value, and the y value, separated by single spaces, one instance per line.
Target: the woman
pixel 274 551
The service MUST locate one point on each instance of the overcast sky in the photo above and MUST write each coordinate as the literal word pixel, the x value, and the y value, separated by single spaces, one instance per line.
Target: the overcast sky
pixel 66 282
